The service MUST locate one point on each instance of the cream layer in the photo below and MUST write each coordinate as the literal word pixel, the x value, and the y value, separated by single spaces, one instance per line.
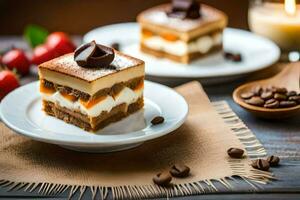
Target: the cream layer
pixel 127 96
pixel 92 87
pixel 180 48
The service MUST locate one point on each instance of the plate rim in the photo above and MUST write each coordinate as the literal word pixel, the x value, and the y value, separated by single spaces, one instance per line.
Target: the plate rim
pixel 197 75
pixel 60 141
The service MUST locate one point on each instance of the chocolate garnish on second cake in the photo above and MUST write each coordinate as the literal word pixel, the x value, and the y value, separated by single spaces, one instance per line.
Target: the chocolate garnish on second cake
pixel 185 9
pixel 91 55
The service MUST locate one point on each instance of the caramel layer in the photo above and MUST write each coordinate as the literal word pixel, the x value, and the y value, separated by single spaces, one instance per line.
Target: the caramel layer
pixel 146 33
pixel 114 90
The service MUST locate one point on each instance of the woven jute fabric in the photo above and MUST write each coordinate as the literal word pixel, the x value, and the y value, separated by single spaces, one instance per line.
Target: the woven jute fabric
pixel 201 143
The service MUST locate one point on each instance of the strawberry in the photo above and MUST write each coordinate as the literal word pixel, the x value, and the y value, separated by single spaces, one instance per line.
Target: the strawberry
pixel 8 82
pixel 60 43
pixel 42 54
pixel 16 59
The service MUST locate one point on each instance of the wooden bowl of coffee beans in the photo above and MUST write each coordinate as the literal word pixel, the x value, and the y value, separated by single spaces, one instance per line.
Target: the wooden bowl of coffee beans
pixel 268 101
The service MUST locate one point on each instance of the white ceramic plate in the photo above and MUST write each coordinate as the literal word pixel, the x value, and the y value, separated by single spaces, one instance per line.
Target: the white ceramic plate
pixel 21 111
pixel 258 53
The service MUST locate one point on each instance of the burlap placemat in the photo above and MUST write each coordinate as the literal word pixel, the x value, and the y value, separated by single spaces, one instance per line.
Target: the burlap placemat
pixel 201 143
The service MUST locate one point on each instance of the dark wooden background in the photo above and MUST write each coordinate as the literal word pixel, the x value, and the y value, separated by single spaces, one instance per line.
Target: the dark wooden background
pixel 80 16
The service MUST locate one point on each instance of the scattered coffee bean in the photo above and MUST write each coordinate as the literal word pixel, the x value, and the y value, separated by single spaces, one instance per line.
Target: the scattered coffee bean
pixel 295 98
pixel 247 95
pixel 227 55
pixel 162 179
pixel 116 46
pixel 261 164
pixel 235 57
pixel 274 104
pixel 235 152
pixel 273 160
pixel 180 170
pixel 266 95
pixel 280 97
pixel 280 90
pixel 291 93
pixel 157 120
pixel 255 101
pixel 287 104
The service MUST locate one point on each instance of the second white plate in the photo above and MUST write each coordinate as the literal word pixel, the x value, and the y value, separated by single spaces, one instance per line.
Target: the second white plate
pixel 258 53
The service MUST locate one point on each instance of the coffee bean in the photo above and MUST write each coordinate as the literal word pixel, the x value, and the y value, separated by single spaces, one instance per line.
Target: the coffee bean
pixel 162 179
pixel 270 101
pixel 280 97
pixel 116 46
pixel 273 160
pixel 157 120
pixel 180 170
pixel 295 98
pixel 228 55
pixel 236 57
pixel 256 101
pixel 266 95
pixel 269 88
pixel 287 104
pixel 280 90
pixel 291 93
pixel 247 95
pixel 274 104
pixel 257 90
pixel 235 152
pixel 261 164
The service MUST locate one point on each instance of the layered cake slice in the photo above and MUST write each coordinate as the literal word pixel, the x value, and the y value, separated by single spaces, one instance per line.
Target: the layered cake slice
pixel 182 31
pixel 92 87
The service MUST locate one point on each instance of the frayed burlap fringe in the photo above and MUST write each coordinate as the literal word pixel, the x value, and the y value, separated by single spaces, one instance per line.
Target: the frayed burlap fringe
pixel 253 178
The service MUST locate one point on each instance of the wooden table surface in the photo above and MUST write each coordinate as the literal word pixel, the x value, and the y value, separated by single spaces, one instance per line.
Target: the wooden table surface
pixel 281 138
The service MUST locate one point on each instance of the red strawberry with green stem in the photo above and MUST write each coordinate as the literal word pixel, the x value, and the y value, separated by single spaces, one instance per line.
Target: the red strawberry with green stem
pixel 16 59
pixel 41 54
pixel 8 82
pixel 60 43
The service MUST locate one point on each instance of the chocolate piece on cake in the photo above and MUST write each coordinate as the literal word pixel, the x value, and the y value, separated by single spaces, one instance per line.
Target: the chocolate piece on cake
pixel 179 32
pixel 92 97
